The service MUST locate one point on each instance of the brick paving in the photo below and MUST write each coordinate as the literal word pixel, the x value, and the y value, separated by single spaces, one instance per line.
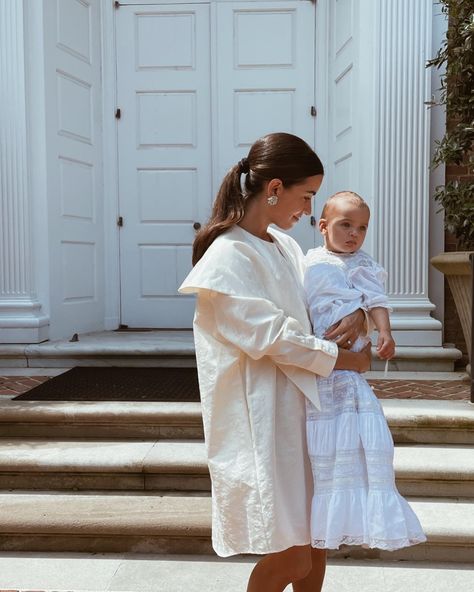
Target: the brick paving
pixel 421 389
pixel 11 386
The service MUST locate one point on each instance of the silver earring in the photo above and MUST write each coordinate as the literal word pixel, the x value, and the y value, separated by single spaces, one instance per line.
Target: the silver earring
pixel 272 200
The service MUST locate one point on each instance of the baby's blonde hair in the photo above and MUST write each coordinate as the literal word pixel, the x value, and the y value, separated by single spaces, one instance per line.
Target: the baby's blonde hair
pixel 352 197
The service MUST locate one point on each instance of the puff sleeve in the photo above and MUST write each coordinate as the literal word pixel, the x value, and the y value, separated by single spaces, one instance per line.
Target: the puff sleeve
pixel 369 279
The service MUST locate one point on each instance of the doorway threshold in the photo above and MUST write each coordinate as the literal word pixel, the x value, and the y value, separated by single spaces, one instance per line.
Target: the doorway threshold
pixel 105 348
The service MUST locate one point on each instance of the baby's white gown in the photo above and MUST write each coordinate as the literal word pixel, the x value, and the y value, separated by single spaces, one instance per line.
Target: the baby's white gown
pixel 355 499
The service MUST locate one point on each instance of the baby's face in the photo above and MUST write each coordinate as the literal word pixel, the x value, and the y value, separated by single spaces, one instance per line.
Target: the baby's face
pixel 344 227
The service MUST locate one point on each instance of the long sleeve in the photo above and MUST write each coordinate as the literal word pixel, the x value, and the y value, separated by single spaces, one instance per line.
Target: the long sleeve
pixel 329 297
pixel 259 328
pixel 370 282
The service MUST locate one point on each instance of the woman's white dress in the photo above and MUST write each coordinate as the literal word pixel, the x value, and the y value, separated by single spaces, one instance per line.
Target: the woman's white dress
pixel 257 363
pixel 355 500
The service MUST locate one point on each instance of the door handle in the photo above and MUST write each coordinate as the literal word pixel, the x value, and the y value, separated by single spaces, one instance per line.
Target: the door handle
pixel 197 226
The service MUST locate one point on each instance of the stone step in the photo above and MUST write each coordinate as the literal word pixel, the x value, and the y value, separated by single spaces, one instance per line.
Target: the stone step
pixel 100 419
pixel 132 465
pixel 410 420
pixel 423 421
pixel 205 573
pixel 153 523
pixel 176 348
pixel 419 358
pixel 434 470
pixel 150 465
pixel 105 348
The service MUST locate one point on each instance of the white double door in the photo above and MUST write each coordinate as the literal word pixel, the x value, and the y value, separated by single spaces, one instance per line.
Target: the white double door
pixel 197 84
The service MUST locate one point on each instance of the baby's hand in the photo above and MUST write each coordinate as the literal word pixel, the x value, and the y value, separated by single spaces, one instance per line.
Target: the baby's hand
pixel 385 345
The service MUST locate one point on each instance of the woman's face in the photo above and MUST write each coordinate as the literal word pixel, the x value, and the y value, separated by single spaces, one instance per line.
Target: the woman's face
pixel 293 201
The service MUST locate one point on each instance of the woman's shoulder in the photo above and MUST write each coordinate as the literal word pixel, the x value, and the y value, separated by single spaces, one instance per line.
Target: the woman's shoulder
pixel 231 244
pixel 230 265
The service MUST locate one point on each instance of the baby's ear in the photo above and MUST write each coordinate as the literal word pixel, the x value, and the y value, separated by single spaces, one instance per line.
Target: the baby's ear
pixel 323 225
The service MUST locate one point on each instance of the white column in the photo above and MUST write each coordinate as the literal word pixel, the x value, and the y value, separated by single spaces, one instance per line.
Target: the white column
pixel 403 45
pixel 21 319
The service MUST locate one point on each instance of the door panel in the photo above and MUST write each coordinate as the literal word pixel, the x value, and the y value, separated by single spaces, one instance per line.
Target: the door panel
pixel 265 73
pixel 164 155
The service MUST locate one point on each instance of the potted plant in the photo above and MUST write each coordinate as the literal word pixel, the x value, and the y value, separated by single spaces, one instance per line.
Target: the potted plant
pixel 455 151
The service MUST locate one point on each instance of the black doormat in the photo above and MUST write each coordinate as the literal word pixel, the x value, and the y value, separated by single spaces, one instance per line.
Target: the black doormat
pixel 118 384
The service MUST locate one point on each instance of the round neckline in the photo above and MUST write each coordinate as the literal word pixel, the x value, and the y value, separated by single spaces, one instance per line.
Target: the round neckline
pixel 262 240
pixel 339 254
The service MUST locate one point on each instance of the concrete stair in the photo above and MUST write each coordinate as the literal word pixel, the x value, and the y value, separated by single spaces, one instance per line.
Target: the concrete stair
pixel 106 348
pixel 176 348
pixel 108 465
pixel 157 465
pixel 430 422
pixel 157 523
pixel 132 478
pixel 35 419
pixel 435 471
pixel 411 421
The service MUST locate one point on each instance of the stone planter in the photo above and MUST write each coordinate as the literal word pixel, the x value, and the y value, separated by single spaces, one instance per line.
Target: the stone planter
pixel 457 267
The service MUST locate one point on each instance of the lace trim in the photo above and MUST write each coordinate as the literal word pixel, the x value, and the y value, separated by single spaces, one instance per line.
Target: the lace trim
pixel 344 260
pixel 384 544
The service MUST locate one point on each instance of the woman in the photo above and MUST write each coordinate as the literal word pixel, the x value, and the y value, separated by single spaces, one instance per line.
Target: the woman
pixel 257 361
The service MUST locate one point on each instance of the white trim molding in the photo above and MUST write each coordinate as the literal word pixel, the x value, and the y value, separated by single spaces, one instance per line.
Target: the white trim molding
pixel 403 87
pixel 21 317
pixel 110 164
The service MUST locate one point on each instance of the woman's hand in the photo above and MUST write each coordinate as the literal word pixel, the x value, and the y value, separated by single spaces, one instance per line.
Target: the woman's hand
pixel 356 361
pixel 347 330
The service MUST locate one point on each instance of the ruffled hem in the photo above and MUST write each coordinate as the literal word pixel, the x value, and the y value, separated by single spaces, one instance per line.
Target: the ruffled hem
pixel 374 519
pixel 368 543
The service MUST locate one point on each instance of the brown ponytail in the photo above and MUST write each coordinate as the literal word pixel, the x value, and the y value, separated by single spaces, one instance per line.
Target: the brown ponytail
pixel 228 209
pixel 275 156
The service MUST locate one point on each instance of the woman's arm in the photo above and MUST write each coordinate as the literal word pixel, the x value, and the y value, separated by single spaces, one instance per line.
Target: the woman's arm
pixel 359 362
pixel 259 328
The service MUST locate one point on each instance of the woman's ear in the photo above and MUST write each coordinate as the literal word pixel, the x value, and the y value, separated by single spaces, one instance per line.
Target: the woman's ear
pixel 274 187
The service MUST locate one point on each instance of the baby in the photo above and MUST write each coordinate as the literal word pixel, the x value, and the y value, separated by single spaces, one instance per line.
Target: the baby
pixel 355 499
pixel 343 224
